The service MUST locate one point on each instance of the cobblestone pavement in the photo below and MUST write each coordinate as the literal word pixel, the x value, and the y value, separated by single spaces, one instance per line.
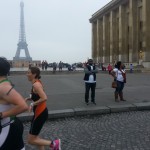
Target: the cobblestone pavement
pixel 116 131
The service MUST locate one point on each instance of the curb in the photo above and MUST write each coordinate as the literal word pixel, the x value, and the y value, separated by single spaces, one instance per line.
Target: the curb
pixel 55 114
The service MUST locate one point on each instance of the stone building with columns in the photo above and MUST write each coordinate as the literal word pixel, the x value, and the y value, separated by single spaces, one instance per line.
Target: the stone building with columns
pixel 121 31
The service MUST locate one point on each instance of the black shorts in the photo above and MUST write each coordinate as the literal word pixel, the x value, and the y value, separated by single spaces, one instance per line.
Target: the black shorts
pixel 37 123
pixel 14 139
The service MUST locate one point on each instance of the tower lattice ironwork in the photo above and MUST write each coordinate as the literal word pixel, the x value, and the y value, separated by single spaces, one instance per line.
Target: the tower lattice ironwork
pixel 22 45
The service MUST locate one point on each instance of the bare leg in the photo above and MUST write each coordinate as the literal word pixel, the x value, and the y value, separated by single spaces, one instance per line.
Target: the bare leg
pixel 35 140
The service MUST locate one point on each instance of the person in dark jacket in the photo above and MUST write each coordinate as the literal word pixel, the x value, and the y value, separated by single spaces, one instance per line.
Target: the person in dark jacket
pixel 90 81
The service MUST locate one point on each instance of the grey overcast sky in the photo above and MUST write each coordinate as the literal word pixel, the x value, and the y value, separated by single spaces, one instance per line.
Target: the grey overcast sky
pixel 56 30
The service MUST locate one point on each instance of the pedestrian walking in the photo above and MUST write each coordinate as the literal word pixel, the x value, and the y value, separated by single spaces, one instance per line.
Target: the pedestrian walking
pixel 43 65
pixel 119 75
pixel 11 104
pixel 131 68
pixel 30 64
pixel 60 65
pixel 90 81
pixel 54 67
pixel 109 68
pixel 38 104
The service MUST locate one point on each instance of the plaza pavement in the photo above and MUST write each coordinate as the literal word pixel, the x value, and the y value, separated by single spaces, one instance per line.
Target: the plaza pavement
pixel 65 93
pixel 80 131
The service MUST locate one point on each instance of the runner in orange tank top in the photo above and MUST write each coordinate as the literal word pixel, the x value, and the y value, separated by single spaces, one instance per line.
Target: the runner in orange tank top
pixel 38 105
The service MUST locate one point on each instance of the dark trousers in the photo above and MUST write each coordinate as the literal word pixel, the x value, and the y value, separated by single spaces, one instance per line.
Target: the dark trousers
pixel 120 86
pixel 89 86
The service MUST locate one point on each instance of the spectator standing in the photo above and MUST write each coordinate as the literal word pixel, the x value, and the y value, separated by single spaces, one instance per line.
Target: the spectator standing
pixel 119 75
pixel 60 65
pixel 54 67
pixel 43 65
pixel 109 68
pixel 74 67
pixel 40 111
pixel 90 81
pixel 131 68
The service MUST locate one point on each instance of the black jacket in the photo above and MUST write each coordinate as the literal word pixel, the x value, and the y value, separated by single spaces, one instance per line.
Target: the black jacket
pixel 88 72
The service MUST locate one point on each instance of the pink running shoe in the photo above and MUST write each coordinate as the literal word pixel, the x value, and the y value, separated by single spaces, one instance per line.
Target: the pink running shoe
pixel 56 145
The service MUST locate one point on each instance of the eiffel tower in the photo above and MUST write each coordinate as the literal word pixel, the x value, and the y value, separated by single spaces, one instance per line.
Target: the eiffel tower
pixel 22 45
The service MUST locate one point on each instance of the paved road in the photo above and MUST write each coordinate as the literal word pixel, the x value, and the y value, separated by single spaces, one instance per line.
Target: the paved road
pixel 67 91
pixel 117 131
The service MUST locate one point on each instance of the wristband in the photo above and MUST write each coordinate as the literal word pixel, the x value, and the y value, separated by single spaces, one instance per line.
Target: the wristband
pixel 31 104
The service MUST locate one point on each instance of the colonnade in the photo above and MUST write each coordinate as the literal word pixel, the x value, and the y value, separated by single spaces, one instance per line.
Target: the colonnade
pixel 121 31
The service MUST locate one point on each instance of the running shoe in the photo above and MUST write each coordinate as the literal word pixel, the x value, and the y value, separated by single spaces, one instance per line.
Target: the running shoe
pixel 56 145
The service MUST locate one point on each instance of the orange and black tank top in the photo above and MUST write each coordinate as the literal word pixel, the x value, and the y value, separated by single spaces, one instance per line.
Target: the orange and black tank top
pixel 35 96
pixel 38 109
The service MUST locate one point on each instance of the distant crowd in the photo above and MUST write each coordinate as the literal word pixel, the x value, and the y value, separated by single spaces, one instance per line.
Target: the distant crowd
pixel 44 65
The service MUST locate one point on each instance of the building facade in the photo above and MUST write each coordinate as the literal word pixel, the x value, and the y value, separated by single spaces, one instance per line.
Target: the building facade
pixel 121 31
